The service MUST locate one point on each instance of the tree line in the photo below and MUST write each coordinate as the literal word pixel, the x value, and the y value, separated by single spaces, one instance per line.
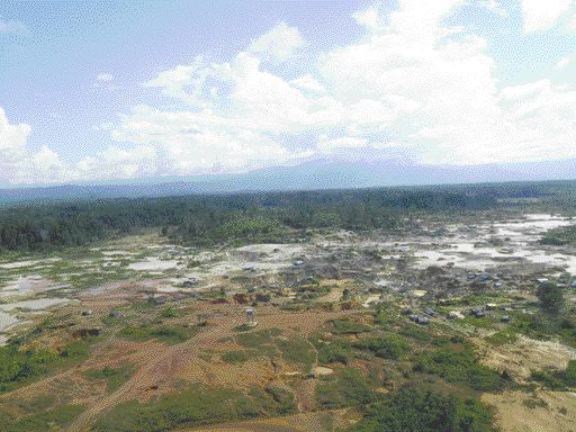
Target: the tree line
pixel 216 218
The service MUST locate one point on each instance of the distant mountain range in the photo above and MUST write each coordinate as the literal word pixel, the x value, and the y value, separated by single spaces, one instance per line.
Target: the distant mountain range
pixel 319 174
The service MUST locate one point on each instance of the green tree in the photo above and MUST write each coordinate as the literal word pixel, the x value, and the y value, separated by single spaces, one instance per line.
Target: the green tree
pixel 551 298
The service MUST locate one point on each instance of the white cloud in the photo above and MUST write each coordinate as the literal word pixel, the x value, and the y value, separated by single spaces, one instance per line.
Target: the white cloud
pixel 411 80
pixel 104 77
pixel 12 136
pixel 19 164
pixel 494 6
pixel 563 62
pixel 369 18
pixel 539 15
pixel 412 85
pixel 13 27
pixel 279 44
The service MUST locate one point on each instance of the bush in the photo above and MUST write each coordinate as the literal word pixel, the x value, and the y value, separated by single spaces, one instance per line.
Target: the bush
pixel 196 405
pixel 349 388
pixel 389 347
pixel 298 351
pixel 336 352
pixel 114 377
pixel 557 379
pixel 19 366
pixel 348 327
pixel 235 357
pixel 55 419
pixel 419 410
pixel 461 367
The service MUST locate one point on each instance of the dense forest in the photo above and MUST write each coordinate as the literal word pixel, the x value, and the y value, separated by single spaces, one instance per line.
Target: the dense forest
pixel 210 219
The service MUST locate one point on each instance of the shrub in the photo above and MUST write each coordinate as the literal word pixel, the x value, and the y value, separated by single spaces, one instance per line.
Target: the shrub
pixel 419 410
pixel 461 367
pixel 336 352
pixel 235 357
pixel 388 347
pixel 55 419
pixel 348 327
pixel 114 377
pixel 349 388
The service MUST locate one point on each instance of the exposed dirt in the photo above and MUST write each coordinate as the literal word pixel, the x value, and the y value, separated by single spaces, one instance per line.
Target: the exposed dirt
pixel 317 422
pixel 526 355
pixel 545 411
pixel 161 369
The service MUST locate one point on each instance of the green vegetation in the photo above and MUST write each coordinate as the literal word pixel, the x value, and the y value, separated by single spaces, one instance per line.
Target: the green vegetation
pixel 338 351
pixel 18 366
pixel 502 337
pixel 236 357
pixel 343 327
pixel 560 236
pixel 52 420
pixel 348 388
pixel 194 406
pixel 165 333
pixel 391 347
pixel 457 363
pixel 551 298
pixel 297 350
pixel 420 410
pixel 234 218
pixel 258 339
pixel 555 379
pixel 114 377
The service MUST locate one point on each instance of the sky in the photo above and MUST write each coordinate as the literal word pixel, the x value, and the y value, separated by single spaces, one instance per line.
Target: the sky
pixel 96 91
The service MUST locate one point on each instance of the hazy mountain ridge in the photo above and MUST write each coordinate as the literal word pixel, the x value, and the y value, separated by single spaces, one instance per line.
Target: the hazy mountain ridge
pixel 319 174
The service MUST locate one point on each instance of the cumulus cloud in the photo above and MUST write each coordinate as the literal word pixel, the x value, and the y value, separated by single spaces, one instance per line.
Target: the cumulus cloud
pixel 279 44
pixel 541 15
pixel 18 164
pixel 563 62
pixel 13 27
pixel 413 80
pixel 104 77
pixel 494 6
pixel 412 84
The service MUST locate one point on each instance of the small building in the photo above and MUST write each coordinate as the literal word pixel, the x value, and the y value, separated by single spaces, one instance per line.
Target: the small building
pixel 250 316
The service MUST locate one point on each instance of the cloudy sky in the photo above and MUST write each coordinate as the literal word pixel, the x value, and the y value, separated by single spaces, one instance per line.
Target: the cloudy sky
pixel 93 91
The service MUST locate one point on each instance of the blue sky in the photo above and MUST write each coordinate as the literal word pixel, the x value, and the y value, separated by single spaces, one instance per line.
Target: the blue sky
pixel 94 91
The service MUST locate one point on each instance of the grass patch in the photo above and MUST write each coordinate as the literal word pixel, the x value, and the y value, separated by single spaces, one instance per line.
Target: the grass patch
pixel 168 334
pixel 196 405
pixel 297 350
pixel 557 379
pixel 458 363
pixel 335 352
pixel 18 367
pixel 391 347
pixel 237 357
pixel 52 420
pixel 114 377
pixel 349 388
pixel 502 338
pixel 347 327
pixel 417 409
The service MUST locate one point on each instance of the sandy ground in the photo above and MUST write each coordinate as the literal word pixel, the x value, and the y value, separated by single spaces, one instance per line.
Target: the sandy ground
pixel 557 413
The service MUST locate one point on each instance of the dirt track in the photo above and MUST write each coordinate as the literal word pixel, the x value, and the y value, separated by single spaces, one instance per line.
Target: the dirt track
pixel 161 368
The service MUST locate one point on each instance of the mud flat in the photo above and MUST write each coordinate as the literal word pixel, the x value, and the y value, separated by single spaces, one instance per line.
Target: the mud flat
pixel 154 264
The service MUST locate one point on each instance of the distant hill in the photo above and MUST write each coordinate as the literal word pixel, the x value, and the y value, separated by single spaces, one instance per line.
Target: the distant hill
pixel 319 174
